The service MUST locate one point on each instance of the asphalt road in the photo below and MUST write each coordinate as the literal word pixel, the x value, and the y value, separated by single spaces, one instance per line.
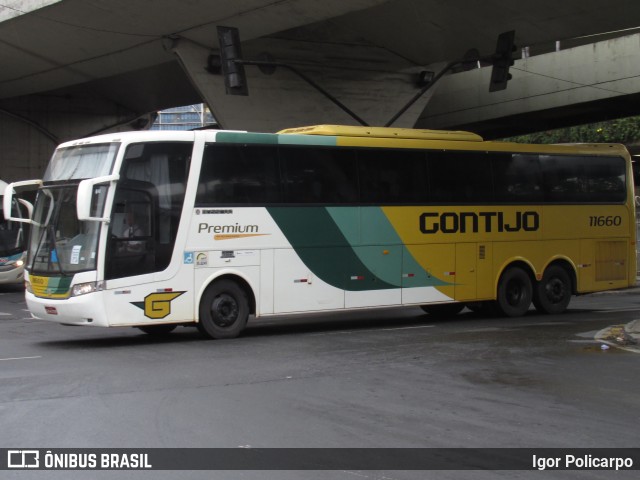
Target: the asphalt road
pixel 389 378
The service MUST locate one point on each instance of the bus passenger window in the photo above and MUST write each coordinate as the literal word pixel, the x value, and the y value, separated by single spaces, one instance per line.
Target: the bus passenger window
pixel 392 177
pixel 517 178
pixel 565 179
pixel 460 177
pixel 319 175
pixel 606 179
pixel 239 174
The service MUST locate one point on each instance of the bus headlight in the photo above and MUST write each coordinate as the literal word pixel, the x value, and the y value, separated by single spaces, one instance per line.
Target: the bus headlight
pixel 84 288
pixel 19 263
pixel 27 286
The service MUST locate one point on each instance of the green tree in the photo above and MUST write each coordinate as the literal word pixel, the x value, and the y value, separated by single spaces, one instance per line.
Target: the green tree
pixel 621 130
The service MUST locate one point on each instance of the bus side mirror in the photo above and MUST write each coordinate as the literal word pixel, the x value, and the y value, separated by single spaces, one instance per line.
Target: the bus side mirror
pixel 86 195
pixel 7 200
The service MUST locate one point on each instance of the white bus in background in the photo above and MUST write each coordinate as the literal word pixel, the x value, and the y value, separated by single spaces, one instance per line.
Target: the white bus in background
pixel 12 239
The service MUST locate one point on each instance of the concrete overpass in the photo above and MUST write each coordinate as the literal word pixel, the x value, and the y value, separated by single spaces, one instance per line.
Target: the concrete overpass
pixel 71 68
pixel 574 85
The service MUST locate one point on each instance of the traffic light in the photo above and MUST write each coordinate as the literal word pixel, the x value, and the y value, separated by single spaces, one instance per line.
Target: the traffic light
pixel 235 80
pixel 502 60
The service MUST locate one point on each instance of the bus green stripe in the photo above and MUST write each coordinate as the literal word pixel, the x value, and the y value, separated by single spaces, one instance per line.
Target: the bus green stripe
pixel 241 137
pixel 275 139
pixel 329 243
pixel 323 248
pixel 307 140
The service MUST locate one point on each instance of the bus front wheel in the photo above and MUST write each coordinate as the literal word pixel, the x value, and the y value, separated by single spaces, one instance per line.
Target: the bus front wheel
pixel 553 293
pixel 514 292
pixel 224 310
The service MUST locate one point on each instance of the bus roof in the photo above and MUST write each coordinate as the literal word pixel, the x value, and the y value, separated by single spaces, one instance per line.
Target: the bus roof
pixel 383 132
pixel 354 136
pixel 361 136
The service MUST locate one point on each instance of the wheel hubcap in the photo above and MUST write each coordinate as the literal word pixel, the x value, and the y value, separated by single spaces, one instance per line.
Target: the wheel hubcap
pixel 514 293
pixel 555 290
pixel 224 310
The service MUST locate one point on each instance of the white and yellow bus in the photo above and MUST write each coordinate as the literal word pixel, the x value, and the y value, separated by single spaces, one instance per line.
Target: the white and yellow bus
pixel 158 229
pixel 12 238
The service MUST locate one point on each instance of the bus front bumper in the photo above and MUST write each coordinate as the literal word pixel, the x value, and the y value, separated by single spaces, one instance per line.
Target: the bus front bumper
pixel 83 310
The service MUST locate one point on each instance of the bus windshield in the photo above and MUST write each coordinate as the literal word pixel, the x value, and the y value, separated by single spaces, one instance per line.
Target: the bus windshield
pixel 83 161
pixel 60 243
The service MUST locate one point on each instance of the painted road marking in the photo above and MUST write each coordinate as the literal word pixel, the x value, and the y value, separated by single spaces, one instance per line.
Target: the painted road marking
pixel 618 310
pixel 19 358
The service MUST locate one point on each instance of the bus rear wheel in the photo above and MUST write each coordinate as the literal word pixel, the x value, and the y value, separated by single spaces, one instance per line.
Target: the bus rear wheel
pixel 553 293
pixel 224 310
pixel 514 292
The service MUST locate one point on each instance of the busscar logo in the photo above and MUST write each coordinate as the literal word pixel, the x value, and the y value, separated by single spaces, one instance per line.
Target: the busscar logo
pixel 23 459
pixel 157 305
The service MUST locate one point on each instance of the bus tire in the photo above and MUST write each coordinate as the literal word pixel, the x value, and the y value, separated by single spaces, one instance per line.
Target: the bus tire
pixel 514 292
pixel 224 310
pixel 443 310
pixel 158 330
pixel 552 294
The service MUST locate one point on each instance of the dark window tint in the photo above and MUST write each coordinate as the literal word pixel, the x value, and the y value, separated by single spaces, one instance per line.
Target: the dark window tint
pixel 583 179
pixel 606 179
pixel 270 174
pixel 239 174
pixel 460 177
pixel 392 176
pixel 517 178
pixel 319 175
pixel 565 179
